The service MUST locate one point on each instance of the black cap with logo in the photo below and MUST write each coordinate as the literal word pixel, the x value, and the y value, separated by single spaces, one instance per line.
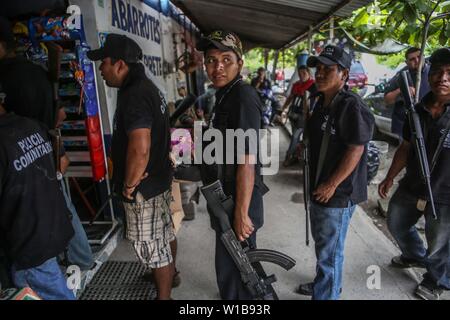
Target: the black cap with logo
pixel 222 40
pixel 331 55
pixel 117 46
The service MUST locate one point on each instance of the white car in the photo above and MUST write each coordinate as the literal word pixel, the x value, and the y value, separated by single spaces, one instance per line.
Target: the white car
pixel 381 112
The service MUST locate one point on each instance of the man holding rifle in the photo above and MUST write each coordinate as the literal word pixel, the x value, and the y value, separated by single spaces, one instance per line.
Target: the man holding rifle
pixel 412 200
pixel 338 130
pixel 238 106
pixel 393 96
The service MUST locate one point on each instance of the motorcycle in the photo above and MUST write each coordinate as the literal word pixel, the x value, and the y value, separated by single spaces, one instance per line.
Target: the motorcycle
pixel 267 97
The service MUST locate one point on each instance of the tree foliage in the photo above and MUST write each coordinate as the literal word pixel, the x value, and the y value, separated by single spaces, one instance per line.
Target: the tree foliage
pixel 401 20
pixel 288 57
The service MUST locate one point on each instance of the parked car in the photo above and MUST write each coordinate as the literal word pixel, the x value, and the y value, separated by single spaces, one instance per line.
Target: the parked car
pixel 358 79
pixel 381 112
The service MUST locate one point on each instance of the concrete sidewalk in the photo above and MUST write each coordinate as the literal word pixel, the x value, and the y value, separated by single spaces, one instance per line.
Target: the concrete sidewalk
pixel 284 230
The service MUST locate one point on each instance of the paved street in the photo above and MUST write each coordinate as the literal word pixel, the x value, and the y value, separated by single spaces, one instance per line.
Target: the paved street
pixel 367 249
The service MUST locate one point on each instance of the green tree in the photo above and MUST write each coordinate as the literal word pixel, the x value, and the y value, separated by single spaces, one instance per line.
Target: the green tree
pixel 421 23
pixel 401 20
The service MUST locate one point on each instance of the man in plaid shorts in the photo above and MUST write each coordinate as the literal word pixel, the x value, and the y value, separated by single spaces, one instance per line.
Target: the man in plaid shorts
pixel 140 153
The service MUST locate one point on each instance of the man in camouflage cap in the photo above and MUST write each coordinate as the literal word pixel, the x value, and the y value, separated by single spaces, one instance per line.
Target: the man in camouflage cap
pixel 238 106
pixel 222 40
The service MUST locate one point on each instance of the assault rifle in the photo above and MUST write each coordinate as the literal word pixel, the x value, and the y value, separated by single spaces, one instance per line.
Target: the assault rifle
pixel 246 259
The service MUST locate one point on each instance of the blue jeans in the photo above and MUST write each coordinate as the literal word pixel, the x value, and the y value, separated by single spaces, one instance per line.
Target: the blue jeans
pixel 79 251
pixel 402 217
pixel 329 229
pixel 46 280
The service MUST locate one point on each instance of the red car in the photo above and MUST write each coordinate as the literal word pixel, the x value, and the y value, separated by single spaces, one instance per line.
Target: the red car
pixel 358 77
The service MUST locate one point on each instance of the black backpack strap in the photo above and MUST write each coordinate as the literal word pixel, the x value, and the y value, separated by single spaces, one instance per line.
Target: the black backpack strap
pixel 326 137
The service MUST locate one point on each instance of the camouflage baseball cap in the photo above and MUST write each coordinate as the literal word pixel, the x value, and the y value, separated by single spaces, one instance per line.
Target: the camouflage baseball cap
pixel 222 40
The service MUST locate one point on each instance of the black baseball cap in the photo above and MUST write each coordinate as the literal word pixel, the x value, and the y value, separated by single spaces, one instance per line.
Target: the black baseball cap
pixel 6 34
pixel 222 40
pixel 117 46
pixel 440 56
pixel 329 56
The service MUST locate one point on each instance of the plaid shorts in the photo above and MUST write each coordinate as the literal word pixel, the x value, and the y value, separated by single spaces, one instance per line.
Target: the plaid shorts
pixel 150 228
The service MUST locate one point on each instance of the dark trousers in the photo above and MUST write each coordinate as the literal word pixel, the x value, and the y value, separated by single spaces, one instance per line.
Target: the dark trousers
pixel 398 120
pixel 5 271
pixel 228 276
pixel 402 217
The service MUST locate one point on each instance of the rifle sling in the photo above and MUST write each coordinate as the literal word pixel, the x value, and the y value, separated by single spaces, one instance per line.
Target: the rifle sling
pixel 440 146
pixel 326 138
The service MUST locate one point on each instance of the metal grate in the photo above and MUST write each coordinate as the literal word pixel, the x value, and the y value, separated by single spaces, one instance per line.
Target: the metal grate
pixel 119 280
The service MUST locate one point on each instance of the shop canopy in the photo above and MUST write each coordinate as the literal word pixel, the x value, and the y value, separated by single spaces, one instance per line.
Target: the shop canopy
pixel 266 23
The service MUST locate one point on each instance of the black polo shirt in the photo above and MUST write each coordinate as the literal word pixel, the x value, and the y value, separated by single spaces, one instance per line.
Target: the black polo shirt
pixel 352 124
pixel 238 106
pixel 34 219
pixel 141 105
pixel 28 90
pixel 433 129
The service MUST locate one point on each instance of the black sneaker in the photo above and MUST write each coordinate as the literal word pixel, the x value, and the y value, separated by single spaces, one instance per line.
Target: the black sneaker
pixel 305 289
pixel 428 291
pixel 403 263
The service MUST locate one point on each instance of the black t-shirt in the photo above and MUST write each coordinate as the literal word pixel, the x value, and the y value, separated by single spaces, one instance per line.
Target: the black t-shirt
pixel 352 124
pixel 28 90
pixel 433 129
pixel 34 219
pixel 141 105
pixel 238 106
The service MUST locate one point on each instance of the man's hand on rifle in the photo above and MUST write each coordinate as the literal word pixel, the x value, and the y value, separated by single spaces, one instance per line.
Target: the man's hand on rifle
pixel 324 192
pixel 243 226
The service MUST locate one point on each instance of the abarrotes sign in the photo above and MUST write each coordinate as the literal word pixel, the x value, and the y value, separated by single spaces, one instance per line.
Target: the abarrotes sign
pixel 140 22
